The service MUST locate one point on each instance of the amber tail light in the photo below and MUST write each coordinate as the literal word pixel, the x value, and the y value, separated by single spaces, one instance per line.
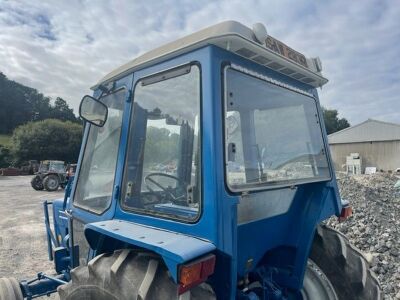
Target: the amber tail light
pixel 196 272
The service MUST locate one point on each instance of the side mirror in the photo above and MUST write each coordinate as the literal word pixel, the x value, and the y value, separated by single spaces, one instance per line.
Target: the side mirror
pixel 93 111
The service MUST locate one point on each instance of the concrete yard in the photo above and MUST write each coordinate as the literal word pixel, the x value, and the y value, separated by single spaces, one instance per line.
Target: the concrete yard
pixel 23 245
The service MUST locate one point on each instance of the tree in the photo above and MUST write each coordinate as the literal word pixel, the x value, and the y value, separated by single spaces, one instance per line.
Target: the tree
pixel 5 157
pixel 61 111
pixel 332 121
pixel 48 139
pixel 161 145
pixel 21 104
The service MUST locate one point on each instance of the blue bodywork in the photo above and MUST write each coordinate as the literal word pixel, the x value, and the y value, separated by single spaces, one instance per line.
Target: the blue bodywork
pixel 276 247
pixel 173 247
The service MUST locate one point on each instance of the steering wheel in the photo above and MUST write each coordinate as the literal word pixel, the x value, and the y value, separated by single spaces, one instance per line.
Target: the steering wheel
pixel 165 189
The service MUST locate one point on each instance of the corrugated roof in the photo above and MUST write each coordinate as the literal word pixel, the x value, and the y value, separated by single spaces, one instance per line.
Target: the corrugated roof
pixel 368 131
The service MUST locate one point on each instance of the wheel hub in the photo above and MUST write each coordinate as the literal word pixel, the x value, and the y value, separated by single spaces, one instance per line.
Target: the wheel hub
pixel 52 183
pixel 316 285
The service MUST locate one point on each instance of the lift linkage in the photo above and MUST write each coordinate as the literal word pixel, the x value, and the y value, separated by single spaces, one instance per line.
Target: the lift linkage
pixel 42 285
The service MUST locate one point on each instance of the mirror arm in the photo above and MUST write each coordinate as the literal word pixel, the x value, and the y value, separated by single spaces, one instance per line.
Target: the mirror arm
pixel 103 90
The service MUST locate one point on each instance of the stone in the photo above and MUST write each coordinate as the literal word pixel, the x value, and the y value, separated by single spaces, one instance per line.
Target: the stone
pixel 375 224
pixel 394 252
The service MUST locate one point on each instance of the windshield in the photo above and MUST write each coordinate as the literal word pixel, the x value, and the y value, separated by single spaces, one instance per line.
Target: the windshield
pixel 44 167
pixel 57 167
pixel 97 170
pixel 273 135
pixel 161 174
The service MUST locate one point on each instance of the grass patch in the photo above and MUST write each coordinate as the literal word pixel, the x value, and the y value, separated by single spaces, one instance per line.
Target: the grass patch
pixel 5 140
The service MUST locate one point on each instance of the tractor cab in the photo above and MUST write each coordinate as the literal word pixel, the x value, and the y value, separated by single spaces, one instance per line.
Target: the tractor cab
pixel 205 173
pixel 217 137
pixel 56 166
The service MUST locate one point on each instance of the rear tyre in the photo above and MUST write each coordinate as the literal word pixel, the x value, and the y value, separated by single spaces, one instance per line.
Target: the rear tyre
pixel 344 266
pixel 10 289
pixel 37 183
pixel 51 182
pixel 124 275
pixel 316 285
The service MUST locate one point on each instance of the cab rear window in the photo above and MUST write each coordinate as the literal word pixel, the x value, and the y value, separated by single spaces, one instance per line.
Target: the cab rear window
pixel 273 135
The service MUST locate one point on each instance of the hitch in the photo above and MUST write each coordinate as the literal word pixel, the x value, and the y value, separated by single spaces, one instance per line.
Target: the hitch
pixel 58 252
pixel 42 285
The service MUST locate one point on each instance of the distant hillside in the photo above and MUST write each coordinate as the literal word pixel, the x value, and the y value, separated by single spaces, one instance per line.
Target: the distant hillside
pixel 20 104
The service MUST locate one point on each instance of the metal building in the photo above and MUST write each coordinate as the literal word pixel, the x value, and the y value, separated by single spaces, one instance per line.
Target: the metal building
pixel 377 142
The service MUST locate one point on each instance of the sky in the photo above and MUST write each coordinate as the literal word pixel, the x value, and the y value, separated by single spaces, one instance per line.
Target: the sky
pixel 62 48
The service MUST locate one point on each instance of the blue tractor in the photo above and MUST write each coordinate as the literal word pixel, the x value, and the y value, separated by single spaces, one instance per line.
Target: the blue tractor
pixel 204 173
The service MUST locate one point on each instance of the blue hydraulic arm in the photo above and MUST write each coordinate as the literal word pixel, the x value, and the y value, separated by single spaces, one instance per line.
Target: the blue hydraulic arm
pixel 57 250
pixel 42 285
pixel 51 240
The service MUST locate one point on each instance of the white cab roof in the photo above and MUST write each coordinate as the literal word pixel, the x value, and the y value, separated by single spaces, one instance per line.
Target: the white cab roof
pixel 234 37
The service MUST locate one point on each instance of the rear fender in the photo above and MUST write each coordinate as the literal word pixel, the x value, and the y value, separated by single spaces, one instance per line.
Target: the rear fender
pixel 174 248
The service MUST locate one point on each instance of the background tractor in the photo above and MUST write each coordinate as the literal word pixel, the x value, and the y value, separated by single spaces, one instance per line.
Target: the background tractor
pixel 51 175
pixel 204 173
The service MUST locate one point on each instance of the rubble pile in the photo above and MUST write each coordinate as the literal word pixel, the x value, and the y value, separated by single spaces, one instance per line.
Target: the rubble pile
pixel 375 225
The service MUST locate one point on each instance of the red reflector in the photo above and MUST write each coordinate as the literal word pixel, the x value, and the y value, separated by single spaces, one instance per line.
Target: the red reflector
pixel 346 212
pixel 207 267
pixel 196 272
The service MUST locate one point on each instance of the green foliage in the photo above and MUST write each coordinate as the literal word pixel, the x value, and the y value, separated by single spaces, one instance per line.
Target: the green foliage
pixel 5 139
pixel 49 139
pixel 161 145
pixel 61 111
pixel 5 157
pixel 21 104
pixel 332 121
pixel 5 153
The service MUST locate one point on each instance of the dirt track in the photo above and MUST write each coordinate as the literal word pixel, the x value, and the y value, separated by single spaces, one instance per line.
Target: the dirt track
pixel 23 245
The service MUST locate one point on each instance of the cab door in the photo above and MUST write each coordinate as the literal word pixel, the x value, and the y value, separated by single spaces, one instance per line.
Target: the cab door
pixel 96 185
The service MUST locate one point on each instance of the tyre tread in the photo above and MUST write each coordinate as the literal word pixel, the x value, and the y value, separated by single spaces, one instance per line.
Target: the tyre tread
pixel 116 266
pixel 348 270
pixel 120 274
pixel 10 289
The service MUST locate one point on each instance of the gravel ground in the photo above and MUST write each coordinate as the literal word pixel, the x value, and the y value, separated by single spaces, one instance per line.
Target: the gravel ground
pixel 23 245
pixel 375 225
